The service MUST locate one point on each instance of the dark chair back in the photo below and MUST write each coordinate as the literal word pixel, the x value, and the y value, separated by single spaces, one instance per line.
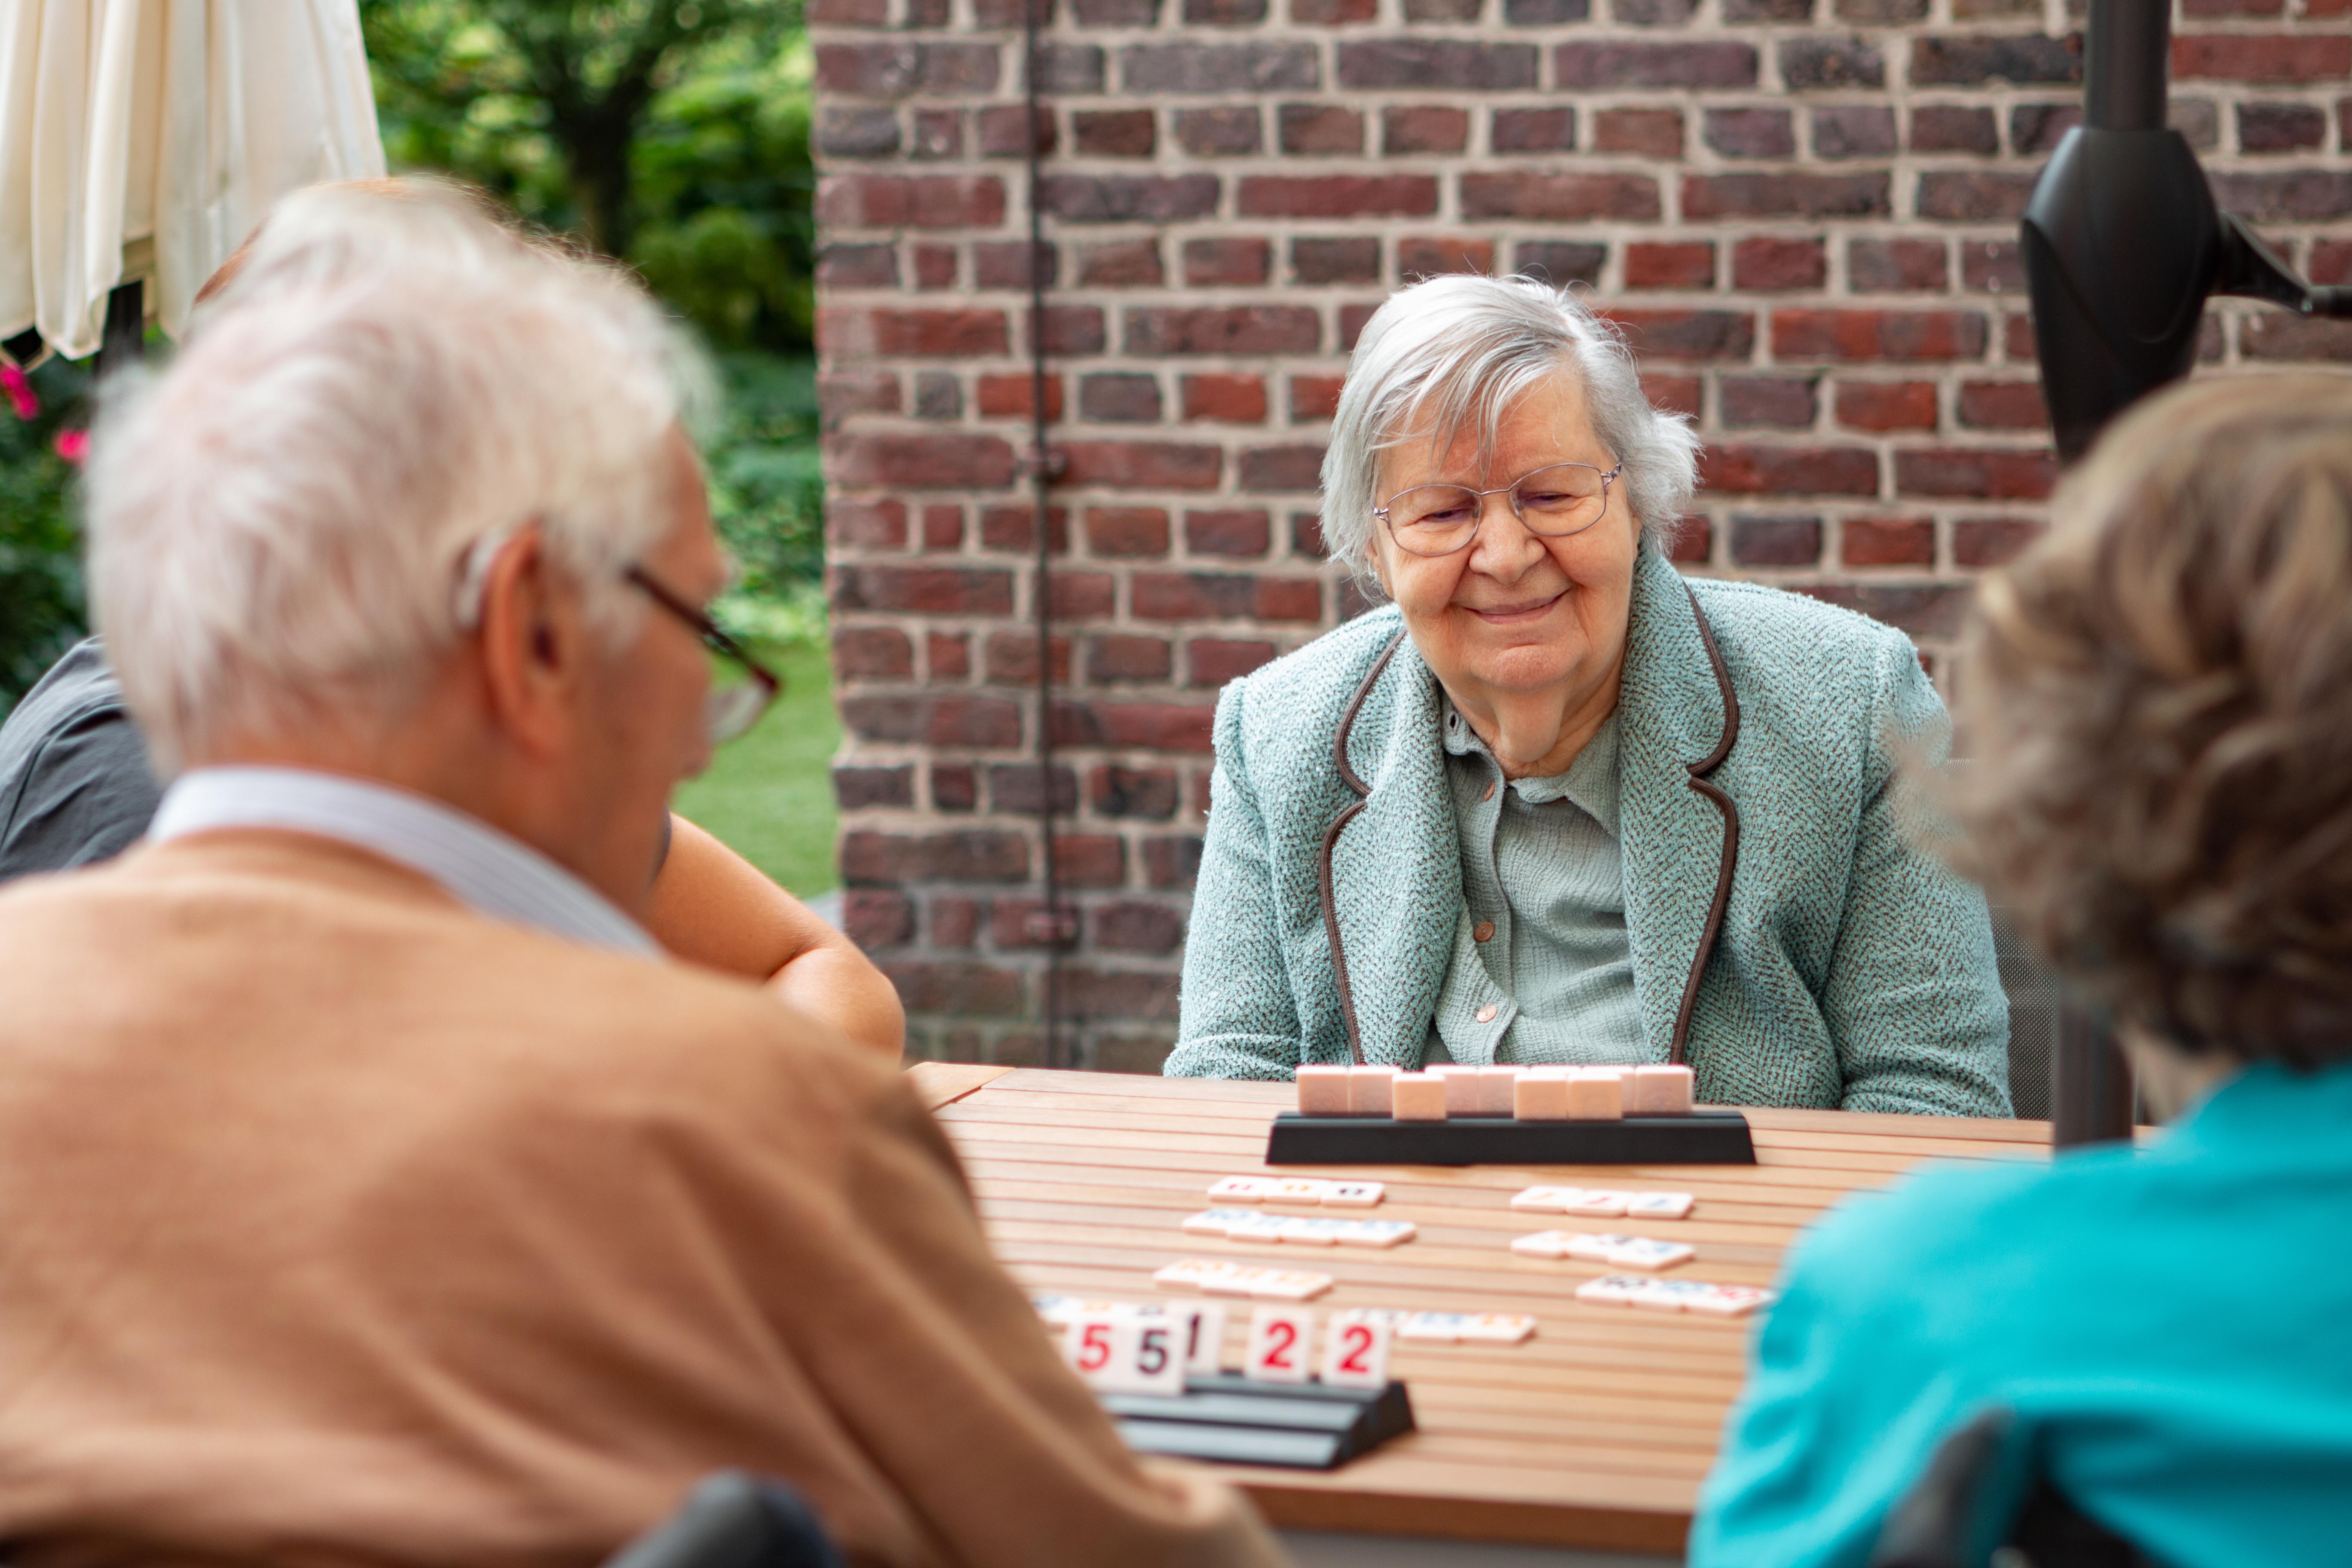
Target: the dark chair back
pixel 734 1520
pixel 1935 1524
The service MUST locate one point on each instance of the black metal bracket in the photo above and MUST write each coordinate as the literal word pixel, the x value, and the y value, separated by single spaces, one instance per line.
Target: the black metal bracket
pixel 1701 1138
pixel 1230 1418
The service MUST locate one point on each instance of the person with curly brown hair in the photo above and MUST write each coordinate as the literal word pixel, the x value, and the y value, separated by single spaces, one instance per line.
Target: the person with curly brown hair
pixel 2157 701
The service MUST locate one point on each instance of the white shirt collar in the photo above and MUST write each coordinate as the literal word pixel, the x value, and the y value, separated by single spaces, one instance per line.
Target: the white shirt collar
pixel 475 863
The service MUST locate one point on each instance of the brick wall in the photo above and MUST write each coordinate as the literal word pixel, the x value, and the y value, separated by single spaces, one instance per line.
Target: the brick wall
pixel 1802 211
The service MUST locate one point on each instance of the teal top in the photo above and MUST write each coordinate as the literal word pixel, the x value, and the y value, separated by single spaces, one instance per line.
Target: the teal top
pixel 1852 969
pixel 1543 880
pixel 2173 1330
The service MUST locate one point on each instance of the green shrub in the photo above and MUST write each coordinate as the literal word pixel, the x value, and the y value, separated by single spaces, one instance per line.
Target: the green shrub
pixel 41 612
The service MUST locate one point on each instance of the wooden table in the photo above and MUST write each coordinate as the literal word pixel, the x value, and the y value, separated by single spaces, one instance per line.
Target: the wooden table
pixel 1594 1434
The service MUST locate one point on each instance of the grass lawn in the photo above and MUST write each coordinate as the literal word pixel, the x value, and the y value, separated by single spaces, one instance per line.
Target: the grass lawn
pixel 768 795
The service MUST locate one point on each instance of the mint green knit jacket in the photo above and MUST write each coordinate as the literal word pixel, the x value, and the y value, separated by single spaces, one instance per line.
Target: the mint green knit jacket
pixel 1852 969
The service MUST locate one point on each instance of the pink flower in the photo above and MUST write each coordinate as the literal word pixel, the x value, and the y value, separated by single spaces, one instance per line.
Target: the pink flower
pixel 20 391
pixel 73 446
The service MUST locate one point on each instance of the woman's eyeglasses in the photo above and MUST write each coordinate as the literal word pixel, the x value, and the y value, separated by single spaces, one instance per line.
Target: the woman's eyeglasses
pixel 744 690
pixel 1554 502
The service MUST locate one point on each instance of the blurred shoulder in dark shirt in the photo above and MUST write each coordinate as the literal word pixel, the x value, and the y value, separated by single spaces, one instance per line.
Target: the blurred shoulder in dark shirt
pixel 75 784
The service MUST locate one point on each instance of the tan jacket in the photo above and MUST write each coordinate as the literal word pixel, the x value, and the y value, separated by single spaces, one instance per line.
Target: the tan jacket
pixel 339 1225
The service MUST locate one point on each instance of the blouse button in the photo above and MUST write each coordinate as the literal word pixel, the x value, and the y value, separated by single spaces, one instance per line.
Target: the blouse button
pixel 1482 931
pixel 1489 794
pixel 1486 1013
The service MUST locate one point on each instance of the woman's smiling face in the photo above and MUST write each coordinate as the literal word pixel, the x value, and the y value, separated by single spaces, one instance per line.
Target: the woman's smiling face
pixel 1516 613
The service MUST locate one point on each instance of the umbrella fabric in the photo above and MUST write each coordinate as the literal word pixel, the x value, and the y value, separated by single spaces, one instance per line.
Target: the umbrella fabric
pixel 146 138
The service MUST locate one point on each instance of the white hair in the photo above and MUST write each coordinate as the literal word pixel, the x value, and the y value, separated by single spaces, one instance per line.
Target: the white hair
pixel 281 523
pixel 1457 353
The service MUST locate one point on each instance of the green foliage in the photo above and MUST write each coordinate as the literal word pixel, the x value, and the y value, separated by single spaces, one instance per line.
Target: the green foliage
pixel 41 612
pixel 767 496
pixel 675 136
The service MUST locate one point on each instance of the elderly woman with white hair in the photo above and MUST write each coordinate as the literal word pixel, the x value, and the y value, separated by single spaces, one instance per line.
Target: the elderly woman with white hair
pixel 1557 803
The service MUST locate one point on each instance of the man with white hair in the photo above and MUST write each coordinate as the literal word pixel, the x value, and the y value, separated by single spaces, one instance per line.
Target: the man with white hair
pixel 374 1189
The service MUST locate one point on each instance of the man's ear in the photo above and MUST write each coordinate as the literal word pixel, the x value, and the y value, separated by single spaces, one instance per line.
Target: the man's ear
pixel 533 644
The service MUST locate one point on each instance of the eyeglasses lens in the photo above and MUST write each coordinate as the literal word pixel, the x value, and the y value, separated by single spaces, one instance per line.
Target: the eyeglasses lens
pixel 1438 519
pixel 733 708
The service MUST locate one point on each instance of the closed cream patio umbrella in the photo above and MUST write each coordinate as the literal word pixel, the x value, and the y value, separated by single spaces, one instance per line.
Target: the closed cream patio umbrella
pixel 141 140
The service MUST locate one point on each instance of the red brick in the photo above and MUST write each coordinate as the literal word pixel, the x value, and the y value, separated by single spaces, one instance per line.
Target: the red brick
pixel 1896 266
pixel 855 789
pixel 1114 132
pixel 1770 402
pixel 1314 397
pixel 942 527
pixel 926 462
pixel 1771 265
pixel 1120 994
pixel 1241 534
pixel 947 654
pixel 858 266
pixel 959 990
pixel 1135 927
pixel 1714 197
pixel 1974 60
pixel 1202 596
pixel 1922 609
pixel 1336 260
pixel 1128 198
pixel 1009 397
pixel 841 394
pixel 1643 133
pixel 1878 334
pixel 1422 64
pixel 909 201
pixel 1222 329
pixel 1694 542
pixel 1430 257
pixel 1992 541
pixel 2017 339
pixel 875 917
pixel 1975 474
pixel 1675 393
pixel 953 722
pixel 1227 399
pixel 1338 195
pixel 866 524
pixel 1141 465
pixel 930 590
pixel 1121 264
pixel 1789 470
pixel 1954 128
pixel 1128 532
pixel 1014 527
pixel 1319 130
pixel 1776 541
pixel 1560 198
pixel 2281 126
pixel 1294 466
pixel 1172 862
pixel 1991 266
pixel 2331 259
pixel 1120 397
pixel 2226 57
pixel 1751 133
pixel 1010 659
pixel 860 333
pixel 872 653
pixel 1148 793
pixel 1688 335
pixel 1888 542
pixel 955 786
pixel 935 266
pixel 1082 596
pixel 1548 130
pixel 1227 260
pixel 1687 265
pixel 1216 660
pixel 1006 130
pixel 1332 13
pixel 1423 127
pixel 1154 726
pixel 892 69
pixel 1226 133
pixel 849 13
pixel 1886 404
pixel 1616 66
pixel 1353 322
pixel 1115 656
pixel 1974 197
pixel 2004 405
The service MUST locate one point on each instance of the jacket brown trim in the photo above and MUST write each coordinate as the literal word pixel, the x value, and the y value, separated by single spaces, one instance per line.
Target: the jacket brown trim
pixel 1331 840
pixel 1678 1052
pixel 1679 1049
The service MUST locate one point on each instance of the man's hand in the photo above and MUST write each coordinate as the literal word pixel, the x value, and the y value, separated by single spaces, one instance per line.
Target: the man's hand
pixel 712 907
